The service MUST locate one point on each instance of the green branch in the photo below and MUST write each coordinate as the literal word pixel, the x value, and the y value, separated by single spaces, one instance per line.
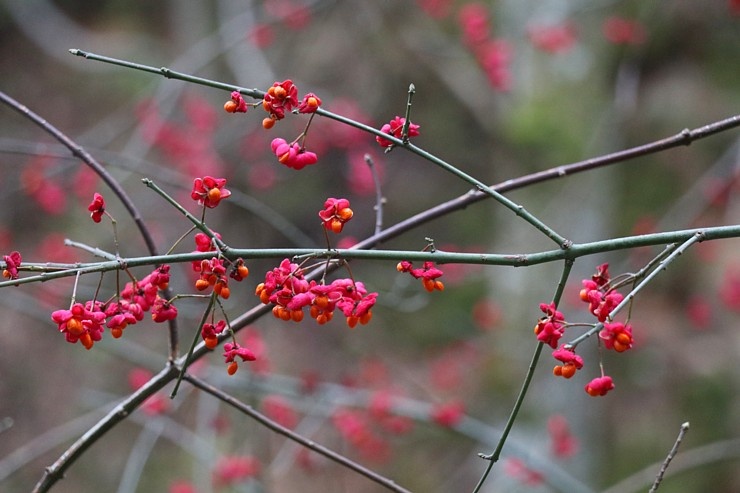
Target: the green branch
pixel 496 454
pixel 57 271
pixel 402 142
pixel 662 265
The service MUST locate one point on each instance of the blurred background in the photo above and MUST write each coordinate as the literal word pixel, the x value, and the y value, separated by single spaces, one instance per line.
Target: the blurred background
pixel 503 88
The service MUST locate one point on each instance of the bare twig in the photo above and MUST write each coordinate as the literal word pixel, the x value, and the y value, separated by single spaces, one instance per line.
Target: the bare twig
pixel 669 458
pixel 379 200
pixel 720 451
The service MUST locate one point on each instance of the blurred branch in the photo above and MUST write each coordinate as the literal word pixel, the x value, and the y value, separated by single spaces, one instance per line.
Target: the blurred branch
pixel 684 138
pixel 277 428
pixel 46 26
pixel 37 446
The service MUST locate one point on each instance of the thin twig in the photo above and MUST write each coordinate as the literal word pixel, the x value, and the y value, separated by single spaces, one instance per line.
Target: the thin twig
pixel 662 265
pixel 379 200
pixel 196 337
pixel 669 458
pixel 719 451
pixel 403 142
pixel 407 117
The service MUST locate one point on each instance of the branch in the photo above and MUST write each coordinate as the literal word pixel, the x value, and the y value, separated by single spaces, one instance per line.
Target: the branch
pixel 55 472
pixel 496 454
pixel 79 152
pixel 681 139
pixel 402 142
pixel 577 250
pixel 669 458
pixel 662 265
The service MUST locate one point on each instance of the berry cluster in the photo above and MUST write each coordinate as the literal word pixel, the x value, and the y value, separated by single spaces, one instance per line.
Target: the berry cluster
pixel 602 298
pixel 282 97
pixel 85 322
pixel 335 214
pixel 428 273
pixel 290 292
pixel 292 154
pixel 287 289
pixel 215 272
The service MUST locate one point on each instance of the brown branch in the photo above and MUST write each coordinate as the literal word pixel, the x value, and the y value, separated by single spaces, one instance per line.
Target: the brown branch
pixel 79 152
pixel 55 472
pixel 669 458
pixel 683 138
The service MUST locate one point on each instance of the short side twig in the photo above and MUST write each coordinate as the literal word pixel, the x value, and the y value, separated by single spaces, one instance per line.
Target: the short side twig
pixel 669 458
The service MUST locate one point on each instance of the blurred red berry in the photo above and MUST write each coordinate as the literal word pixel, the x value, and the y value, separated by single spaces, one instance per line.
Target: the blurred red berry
pixel 621 31
pixel 448 414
